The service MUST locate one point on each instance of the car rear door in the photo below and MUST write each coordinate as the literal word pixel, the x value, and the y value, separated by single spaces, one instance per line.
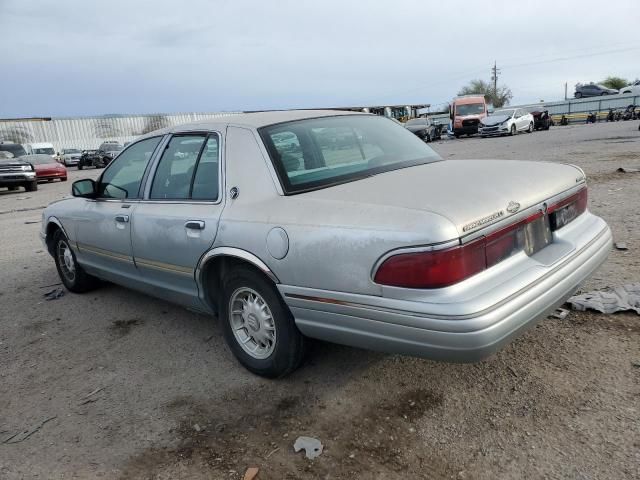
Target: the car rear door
pixel 177 221
pixel 103 227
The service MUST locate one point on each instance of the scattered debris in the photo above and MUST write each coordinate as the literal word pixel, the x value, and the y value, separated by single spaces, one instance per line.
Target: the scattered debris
pixel 621 246
pixel 618 299
pixel 512 370
pixel 312 446
pixel 629 169
pixel 54 294
pixel 22 436
pixel 251 473
pixel 93 393
pixel 208 339
pixel 272 452
pixel 52 285
pixel 560 313
pixel 31 222
pixel 198 428
pixel 220 427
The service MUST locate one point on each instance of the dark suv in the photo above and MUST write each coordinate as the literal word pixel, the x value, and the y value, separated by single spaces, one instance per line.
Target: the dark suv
pixel 15 172
pixel 593 90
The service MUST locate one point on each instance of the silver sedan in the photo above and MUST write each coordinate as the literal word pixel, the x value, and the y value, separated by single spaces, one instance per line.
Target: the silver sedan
pixel 338 226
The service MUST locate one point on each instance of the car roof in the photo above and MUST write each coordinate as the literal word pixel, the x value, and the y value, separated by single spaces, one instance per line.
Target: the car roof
pixel 251 120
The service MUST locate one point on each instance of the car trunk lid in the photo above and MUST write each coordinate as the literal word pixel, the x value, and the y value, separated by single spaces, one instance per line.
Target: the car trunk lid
pixel 471 194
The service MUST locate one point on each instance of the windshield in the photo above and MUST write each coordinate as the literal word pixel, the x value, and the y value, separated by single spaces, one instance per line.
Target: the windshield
pixel 319 152
pixel 43 151
pixel 470 109
pixel 67 151
pixel 505 113
pixel 14 148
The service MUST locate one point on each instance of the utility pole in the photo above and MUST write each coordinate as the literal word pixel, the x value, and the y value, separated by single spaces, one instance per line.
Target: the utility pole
pixel 494 77
pixel 565 90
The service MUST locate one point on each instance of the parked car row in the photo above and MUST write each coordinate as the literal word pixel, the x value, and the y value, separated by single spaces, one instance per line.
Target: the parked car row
pixel 595 90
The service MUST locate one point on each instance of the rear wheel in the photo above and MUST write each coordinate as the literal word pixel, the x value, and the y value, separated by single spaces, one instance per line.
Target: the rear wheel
pixel 63 179
pixel 71 273
pixel 258 326
pixel 80 167
pixel 31 186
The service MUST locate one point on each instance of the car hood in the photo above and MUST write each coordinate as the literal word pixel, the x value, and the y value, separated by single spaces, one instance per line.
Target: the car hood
pixel 495 119
pixel 462 191
pixel 10 162
pixel 417 127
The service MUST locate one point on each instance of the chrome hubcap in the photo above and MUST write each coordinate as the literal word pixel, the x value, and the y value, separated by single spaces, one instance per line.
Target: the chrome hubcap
pixel 66 261
pixel 252 323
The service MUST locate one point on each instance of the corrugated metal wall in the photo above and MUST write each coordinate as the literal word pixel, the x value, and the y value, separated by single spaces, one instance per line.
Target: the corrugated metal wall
pixel 90 132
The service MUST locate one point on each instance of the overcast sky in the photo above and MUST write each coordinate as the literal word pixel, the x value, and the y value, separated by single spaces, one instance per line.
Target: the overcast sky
pixel 81 57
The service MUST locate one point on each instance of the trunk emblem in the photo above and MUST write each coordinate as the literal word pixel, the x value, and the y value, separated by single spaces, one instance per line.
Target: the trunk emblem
pixel 513 207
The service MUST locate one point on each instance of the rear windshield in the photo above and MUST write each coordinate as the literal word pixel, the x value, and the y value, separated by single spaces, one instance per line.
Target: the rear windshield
pixel 66 151
pixel 15 148
pixel 470 109
pixel 111 147
pixel 319 152
pixel 38 159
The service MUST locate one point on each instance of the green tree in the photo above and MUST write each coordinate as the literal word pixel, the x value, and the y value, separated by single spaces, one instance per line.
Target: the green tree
pixel 498 97
pixel 615 82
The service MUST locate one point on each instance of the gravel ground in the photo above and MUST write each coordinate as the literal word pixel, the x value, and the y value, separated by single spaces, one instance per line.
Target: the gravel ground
pixel 115 384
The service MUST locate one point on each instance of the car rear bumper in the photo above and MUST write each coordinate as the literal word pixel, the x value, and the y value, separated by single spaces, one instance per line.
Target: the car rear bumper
pixel 51 175
pixel 474 330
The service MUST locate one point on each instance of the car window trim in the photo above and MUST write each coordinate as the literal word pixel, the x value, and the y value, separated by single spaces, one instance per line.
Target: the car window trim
pixel 150 175
pixel 144 173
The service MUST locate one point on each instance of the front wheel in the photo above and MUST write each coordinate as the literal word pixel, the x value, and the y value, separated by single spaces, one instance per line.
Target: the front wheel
pixel 530 129
pixel 258 326
pixel 80 167
pixel 512 132
pixel 71 273
pixel 578 95
pixel 31 186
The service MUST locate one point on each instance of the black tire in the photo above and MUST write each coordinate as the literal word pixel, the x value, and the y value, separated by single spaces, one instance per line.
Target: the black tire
pixel 578 95
pixel 63 179
pixel 530 129
pixel 288 352
pixel 512 131
pixel 80 167
pixel 81 281
pixel 31 186
pixel 13 189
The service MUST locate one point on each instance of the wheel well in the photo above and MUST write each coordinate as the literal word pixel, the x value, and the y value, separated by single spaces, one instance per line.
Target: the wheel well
pixel 52 228
pixel 214 272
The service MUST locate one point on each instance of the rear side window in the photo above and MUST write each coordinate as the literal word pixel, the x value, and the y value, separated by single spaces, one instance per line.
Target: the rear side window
pixel 188 169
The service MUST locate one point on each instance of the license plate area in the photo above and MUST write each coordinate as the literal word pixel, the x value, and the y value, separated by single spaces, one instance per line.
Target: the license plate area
pixel 537 235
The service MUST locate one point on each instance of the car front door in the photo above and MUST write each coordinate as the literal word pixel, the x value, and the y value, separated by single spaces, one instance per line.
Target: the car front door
pixel 521 120
pixel 103 229
pixel 177 221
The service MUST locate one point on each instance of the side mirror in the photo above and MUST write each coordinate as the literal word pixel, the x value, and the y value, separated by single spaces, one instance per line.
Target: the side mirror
pixel 85 188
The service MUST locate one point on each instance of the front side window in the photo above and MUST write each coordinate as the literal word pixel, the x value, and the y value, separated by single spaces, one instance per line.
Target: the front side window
pixel 122 178
pixel 319 152
pixel 188 169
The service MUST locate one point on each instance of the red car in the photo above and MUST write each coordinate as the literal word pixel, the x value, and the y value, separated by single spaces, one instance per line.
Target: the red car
pixel 46 167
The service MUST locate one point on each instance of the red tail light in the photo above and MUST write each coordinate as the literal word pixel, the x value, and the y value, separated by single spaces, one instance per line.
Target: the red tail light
pixel 443 268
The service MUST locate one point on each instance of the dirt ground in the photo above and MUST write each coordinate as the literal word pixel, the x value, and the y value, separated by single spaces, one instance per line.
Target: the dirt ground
pixel 114 384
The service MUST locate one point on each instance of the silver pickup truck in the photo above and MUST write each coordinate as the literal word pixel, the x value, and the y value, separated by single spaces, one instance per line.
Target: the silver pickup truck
pixel 16 173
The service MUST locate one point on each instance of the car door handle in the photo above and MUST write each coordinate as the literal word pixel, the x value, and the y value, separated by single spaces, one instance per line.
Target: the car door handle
pixel 122 218
pixel 194 225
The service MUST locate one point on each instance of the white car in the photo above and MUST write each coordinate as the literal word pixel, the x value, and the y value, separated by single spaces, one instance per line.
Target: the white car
pixel 507 121
pixel 41 148
pixel 633 88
